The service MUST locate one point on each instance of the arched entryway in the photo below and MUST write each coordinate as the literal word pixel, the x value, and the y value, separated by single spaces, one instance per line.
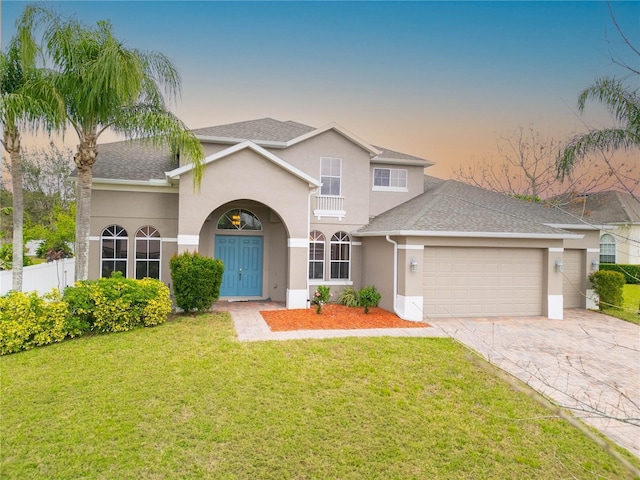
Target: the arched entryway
pixel 251 240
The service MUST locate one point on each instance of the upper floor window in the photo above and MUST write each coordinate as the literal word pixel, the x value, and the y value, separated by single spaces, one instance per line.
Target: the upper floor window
pixel 316 255
pixel 393 179
pixel 607 248
pixel 114 247
pixel 340 255
pixel 330 173
pixel 239 219
pixel 148 250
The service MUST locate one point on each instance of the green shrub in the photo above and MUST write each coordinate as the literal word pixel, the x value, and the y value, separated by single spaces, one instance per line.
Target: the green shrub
pixel 6 257
pixel 368 297
pixel 349 297
pixel 196 281
pixel 27 321
pixel 631 272
pixel 608 286
pixel 117 304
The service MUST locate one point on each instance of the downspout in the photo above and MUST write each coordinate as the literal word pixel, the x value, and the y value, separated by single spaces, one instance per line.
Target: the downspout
pixel 395 278
pixel 311 192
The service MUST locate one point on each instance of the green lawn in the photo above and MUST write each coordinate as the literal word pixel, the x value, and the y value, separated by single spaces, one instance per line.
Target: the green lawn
pixel 186 400
pixel 629 310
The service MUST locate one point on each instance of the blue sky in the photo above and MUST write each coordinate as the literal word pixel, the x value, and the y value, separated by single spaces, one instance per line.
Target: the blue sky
pixel 441 80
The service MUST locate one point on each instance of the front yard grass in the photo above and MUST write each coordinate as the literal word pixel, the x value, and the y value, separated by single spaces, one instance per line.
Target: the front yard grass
pixel 186 400
pixel 630 306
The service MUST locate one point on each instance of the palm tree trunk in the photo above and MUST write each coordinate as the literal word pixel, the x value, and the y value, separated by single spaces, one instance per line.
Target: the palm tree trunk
pixel 11 142
pixel 85 158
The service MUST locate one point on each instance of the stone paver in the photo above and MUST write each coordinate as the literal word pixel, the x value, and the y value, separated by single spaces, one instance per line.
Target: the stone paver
pixel 588 362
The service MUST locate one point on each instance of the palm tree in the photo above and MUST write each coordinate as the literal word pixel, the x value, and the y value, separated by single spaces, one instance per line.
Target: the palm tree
pixel 624 105
pixel 108 86
pixel 27 101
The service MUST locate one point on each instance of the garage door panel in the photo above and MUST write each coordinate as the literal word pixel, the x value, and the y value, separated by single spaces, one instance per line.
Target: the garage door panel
pixel 482 281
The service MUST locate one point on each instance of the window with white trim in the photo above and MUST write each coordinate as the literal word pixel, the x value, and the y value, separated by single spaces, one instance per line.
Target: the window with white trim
pixel 330 176
pixel 148 252
pixel 316 255
pixel 340 255
pixel 607 248
pixel 114 247
pixel 391 179
pixel 239 219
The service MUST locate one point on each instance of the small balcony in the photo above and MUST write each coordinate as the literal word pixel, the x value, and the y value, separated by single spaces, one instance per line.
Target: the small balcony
pixel 329 206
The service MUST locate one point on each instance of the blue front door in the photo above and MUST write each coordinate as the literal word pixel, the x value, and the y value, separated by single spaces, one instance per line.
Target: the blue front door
pixel 242 258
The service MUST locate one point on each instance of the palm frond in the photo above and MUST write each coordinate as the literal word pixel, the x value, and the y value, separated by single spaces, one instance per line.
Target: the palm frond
pixel 594 141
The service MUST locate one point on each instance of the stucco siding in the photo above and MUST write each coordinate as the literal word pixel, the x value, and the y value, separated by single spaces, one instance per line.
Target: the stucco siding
pixel 355 167
pixel 245 175
pixel 132 210
pixel 381 201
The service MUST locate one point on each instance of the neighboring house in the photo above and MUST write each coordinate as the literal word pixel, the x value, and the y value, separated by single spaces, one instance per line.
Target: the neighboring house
pixel 288 207
pixel 617 214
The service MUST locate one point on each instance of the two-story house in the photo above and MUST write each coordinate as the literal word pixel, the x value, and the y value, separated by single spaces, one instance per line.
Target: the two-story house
pixel 288 207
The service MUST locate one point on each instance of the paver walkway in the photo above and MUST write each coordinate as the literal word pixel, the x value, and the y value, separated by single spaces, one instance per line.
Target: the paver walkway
pixel 587 362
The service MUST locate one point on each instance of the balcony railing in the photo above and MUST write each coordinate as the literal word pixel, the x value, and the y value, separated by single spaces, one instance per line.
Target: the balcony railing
pixel 329 206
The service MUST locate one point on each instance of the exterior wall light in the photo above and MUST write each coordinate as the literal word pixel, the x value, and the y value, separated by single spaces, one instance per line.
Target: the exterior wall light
pixel 595 265
pixel 413 264
pixel 559 265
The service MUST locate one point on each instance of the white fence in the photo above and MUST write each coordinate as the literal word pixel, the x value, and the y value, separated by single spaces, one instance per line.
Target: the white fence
pixel 43 277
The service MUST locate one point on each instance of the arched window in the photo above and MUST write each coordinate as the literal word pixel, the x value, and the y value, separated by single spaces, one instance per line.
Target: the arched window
pixel 340 255
pixel 114 247
pixel 148 248
pixel 239 219
pixel 607 248
pixel 316 255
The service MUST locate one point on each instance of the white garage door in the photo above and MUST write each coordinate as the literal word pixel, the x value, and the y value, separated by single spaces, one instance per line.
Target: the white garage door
pixel 478 282
pixel 572 287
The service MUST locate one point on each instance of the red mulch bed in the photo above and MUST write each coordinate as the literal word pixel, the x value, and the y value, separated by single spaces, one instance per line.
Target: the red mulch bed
pixel 334 317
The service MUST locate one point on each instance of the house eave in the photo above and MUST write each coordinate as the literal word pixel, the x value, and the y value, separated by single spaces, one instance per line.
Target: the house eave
pixel 399 161
pixel 116 184
pixel 458 234
pixel 577 226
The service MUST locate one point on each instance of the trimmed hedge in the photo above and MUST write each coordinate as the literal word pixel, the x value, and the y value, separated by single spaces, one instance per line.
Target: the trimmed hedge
pixel 609 287
pixel 631 272
pixel 28 320
pixel 117 304
pixel 196 280
pixel 106 305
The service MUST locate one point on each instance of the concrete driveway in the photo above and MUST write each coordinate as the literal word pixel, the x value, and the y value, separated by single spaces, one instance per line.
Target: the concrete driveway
pixel 588 362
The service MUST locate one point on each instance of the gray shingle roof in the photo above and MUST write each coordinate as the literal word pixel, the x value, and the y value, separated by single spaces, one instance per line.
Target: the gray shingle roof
pixel 137 160
pixel 393 155
pixel 133 160
pixel 606 207
pixel 451 206
pixel 263 129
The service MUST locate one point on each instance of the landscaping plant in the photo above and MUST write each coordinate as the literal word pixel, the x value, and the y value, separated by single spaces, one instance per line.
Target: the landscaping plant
pixel 608 285
pixel 348 297
pixel 117 304
pixel 196 281
pixel 322 296
pixel 368 297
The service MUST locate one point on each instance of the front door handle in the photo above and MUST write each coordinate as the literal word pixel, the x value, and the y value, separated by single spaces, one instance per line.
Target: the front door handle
pixel 240 274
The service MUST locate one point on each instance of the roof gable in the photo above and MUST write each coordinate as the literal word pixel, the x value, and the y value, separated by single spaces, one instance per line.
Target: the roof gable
pixel 255 148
